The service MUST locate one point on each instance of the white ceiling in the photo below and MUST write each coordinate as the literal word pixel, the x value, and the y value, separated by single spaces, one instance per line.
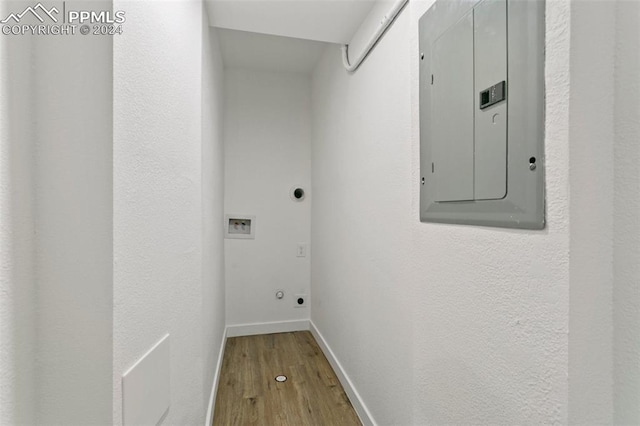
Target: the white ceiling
pixel 333 21
pixel 241 49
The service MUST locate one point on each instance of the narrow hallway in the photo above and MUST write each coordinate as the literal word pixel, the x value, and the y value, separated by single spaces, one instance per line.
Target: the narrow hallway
pixel 421 212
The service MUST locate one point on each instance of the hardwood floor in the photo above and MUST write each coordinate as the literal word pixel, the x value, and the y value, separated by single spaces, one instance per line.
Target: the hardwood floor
pixel 249 394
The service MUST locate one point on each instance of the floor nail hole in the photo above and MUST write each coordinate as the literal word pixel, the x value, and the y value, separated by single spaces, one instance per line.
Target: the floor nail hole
pixel 281 379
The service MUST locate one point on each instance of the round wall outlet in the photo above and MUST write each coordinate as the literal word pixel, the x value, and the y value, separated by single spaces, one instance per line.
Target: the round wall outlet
pixel 300 300
pixel 297 193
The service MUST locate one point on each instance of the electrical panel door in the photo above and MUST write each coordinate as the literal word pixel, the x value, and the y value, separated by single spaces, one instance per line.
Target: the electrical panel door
pixel 482 113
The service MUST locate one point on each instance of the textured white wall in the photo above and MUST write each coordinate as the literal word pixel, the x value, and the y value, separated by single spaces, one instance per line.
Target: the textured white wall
pixel 213 288
pixel 267 151
pixel 468 324
pixel 63 341
pixel 604 361
pixel 160 174
pixel 73 192
pixel 591 105
pixel 58 224
pixel 626 223
pixel 17 241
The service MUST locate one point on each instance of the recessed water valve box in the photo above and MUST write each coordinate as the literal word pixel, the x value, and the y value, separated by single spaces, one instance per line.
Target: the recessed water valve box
pixel 239 227
pixel 482 113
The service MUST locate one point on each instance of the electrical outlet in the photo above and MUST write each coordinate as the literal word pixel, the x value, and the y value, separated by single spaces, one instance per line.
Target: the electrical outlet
pixel 300 301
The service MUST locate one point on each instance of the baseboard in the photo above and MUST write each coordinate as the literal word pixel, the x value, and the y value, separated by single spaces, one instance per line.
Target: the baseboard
pixel 216 379
pixel 266 328
pixel 361 409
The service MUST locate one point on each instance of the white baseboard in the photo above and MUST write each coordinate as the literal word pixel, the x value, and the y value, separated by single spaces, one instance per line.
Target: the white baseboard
pixel 216 379
pixel 361 409
pixel 267 328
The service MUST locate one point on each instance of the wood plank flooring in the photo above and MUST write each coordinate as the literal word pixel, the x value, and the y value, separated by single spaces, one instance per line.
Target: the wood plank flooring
pixel 249 395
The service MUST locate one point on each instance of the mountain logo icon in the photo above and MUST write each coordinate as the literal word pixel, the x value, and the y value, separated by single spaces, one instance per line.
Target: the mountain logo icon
pixel 39 11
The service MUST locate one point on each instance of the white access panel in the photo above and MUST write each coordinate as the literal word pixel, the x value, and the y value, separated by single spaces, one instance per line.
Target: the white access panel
pixel 146 387
pixel 452 131
pixel 490 62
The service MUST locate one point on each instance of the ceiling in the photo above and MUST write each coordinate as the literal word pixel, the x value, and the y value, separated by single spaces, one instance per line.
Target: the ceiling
pixel 332 21
pixel 241 49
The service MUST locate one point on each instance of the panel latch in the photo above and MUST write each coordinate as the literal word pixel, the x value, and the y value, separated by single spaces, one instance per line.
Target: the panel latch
pixel 493 95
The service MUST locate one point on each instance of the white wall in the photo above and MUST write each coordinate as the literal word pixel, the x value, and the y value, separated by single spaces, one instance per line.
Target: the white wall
pixel 267 151
pixel 73 190
pixel 17 241
pixel 161 170
pixel 213 288
pixel 58 223
pixel 626 221
pixel 591 105
pixel 465 324
pixel 82 226
pixel 604 361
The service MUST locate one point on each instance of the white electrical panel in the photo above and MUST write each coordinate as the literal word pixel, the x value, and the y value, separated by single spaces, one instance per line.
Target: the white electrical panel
pixel 482 113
